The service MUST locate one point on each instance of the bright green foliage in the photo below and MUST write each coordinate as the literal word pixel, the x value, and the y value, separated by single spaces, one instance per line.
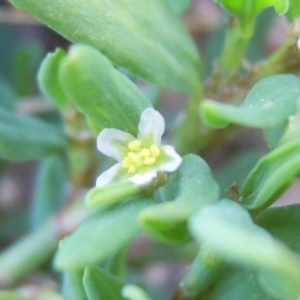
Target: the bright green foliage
pixel 267 106
pixel 106 231
pixel 114 101
pixel 250 8
pixel 126 53
pixel 181 197
pixel 26 138
pixel 48 78
pixel 294 11
pixel 233 237
pixel 73 286
pixel 142 37
pixel 271 176
pixel 101 285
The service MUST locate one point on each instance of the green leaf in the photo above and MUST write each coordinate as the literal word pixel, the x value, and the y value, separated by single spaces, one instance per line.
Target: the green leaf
pixel 48 78
pixel 50 188
pixel 271 176
pixel 143 37
pixel 27 138
pixel 101 235
pixel 244 8
pixel 100 92
pixel 267 106
pixel 284 224
pixel 294 11
pixel 178 6
pixel 226 229
pixel 236 284
pixel 101 285
pixel 73 286
pixel 188 189
pixel 236 168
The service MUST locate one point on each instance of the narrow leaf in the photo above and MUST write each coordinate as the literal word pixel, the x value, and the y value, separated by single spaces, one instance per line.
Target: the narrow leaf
pixel 27 138
pixel 143 37
pixel 101 285
pixel 271 176
pixel 101 235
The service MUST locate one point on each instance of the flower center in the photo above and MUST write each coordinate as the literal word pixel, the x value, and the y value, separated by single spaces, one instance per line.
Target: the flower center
pixel 138 157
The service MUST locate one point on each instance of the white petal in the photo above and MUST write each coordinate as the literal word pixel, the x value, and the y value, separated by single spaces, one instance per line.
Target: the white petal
pixel 152 125
pixel 298 43
pixel 108 176
pixel 172 161
pixel 113 142
pixel 143 178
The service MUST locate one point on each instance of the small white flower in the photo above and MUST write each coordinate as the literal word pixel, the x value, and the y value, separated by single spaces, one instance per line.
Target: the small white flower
pixel 139 158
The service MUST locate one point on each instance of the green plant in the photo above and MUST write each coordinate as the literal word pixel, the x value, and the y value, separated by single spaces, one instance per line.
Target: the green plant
pixel 240 247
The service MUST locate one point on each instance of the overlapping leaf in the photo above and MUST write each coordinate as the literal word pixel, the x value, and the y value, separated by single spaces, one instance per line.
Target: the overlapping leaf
pixel 271 176
pixel 245 8
pixel 188 189
pixel 99 91
pixel 227 230
pixel 101 235
pixel 267 106
pixel 143 37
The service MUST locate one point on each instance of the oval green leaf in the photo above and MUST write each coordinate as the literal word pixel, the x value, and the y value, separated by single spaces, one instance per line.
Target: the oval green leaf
pixel 267 106
pixel 143 37
pixel 271 176
pixel 100 92
pixel 101 285
pixel 188 189
pixel 227 230
pixel 101 235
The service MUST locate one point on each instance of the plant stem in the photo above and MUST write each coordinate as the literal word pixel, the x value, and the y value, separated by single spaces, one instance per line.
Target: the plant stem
pixel 286 59
pixel 237 38
pixel 199 276
pixel 37 246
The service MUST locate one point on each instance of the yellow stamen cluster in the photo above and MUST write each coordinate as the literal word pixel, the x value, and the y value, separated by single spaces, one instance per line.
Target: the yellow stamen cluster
pixel 138 157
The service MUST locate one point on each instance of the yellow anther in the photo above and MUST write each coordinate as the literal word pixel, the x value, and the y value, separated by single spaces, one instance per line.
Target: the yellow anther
pixel 127 162
pixel 149 161
pixel 154 150
pixel 134 145
pixel 145 152
pixel 138 157
pixel 131 169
